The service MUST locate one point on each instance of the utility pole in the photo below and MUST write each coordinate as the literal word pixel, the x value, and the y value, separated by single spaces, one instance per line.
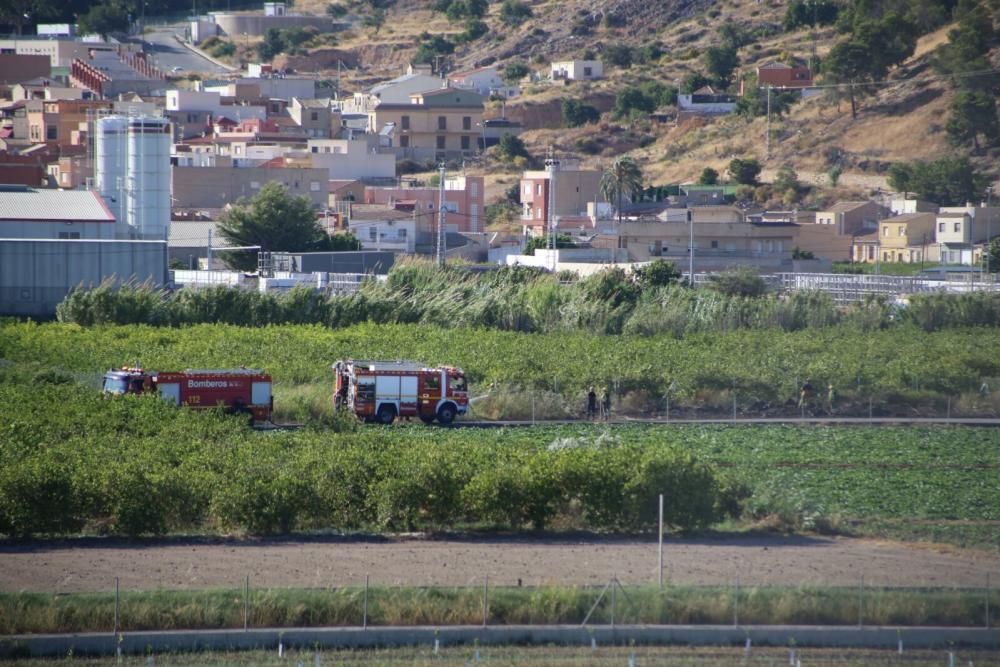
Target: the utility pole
pixel 208 262
pixel 691 248
pixel 551 164
pixel 989 226
pixel 440 229
pixel 768 123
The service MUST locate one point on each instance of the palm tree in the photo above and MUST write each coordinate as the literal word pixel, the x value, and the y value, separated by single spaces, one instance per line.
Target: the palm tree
pixel 621 181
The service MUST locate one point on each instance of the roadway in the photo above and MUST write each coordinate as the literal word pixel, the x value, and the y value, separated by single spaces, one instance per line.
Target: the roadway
pixel 167 52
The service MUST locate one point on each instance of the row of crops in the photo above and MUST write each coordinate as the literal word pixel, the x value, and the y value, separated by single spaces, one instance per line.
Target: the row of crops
pixel 71 461
pixel 767 365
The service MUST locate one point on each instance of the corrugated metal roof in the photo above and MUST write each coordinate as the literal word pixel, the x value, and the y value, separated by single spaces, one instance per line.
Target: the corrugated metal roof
pixel 19 203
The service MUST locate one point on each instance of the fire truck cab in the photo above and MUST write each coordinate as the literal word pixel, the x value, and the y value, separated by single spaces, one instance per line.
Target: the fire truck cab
pixel 241 390
pixel 381 391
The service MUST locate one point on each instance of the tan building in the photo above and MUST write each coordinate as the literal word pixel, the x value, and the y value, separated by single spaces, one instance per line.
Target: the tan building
pixel 575 189
pixel 55 121
pixel 722 238
pixel 315 118
pixel 214 187
pixel 852 217
pixel 438 124
pixel 907 238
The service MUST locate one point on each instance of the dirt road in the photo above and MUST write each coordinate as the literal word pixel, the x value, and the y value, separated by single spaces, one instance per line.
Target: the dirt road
pixel 91 565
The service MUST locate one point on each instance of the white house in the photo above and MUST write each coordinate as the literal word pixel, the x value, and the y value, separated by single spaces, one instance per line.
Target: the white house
pixel 706 100
pixel 961 228
pixel 485 81
pixel 352 159
pixel 577 70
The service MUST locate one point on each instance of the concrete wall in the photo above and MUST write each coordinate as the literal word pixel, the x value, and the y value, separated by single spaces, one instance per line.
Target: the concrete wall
pixel 32 229
pixel 345 638
pixel 36 274
pixel 234 25
pixel 214 187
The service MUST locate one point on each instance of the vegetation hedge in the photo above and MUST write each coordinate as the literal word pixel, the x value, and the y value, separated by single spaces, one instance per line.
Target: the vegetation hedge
pixel 526 300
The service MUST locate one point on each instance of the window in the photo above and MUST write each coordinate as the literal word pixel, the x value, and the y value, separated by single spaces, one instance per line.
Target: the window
pixel 539 215
pixel 440 143
pixel 958 226
pixel 715 244
pixel 191 118
pixel 372 233
pixel 315 149
pixel 587 71
pixel 69 235
pixel 473 190
pixel 538 188
pixel 404 141
pixel 51 133
pixel 314 186
pixel 255 185
pixel 527 188
pixel 474 217
pixel 442 122
pixel 885 231
pixel 401 233
pixel 466 122
pixel 902 230
pixel 940 226
pixel 314 116
pixel 404 122
pixel 465 142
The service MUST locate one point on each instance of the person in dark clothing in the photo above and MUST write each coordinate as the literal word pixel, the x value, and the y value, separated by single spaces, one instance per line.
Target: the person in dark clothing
pixel 606 405
pixel 591 403
pixel 806 394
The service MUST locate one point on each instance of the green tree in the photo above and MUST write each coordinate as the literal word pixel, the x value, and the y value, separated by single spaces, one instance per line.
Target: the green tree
pixel 720 61
pixel 276 221
pixel 708 176
pixel 335 10
pixel 992 259
pixel 630 100
pixel 742 281
pixel 658 273
pixel 973 114
pixel 375 19
pixel 104 19
pixel 510 147
pixel 515 12
pixel 18 13
pixel 753 103
pixel 536 242
pixel 801 13
pixel 744 171
pixel 575 113
pixel 515 71
pixel 618 55
pixel 946 182
pixel 693 82
pixel 786 179
pixel 272 44
pixel 867 55
pixel 621 181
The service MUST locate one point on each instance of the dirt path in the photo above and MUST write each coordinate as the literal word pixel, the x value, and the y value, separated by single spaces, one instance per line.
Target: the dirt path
pixel 91 565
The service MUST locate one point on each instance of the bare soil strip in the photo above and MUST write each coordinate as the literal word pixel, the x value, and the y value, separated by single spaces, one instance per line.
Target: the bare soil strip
pixel 92 565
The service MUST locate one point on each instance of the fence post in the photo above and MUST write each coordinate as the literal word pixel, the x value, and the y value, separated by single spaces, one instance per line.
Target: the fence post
pixel 659 569
pixel 987 600
pixel 364 620
pixel 117 606
pixel 948 416
pixel 736 603
pixel 486 599
pixel 861 603
pixel 246 603
pixel 614 581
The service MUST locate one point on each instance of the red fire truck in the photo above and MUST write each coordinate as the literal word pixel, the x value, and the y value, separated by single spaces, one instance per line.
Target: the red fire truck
pixel 380 391
pixel 237 390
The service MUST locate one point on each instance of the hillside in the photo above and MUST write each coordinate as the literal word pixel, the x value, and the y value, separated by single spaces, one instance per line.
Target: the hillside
pixel 903 120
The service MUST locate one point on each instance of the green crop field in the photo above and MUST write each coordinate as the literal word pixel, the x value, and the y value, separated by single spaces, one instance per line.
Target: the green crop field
pixel 73 461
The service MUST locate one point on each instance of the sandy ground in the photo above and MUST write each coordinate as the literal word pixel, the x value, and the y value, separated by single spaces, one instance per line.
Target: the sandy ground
pixel 91 565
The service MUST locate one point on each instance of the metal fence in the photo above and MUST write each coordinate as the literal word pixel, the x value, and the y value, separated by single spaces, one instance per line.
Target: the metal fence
pixel 849 288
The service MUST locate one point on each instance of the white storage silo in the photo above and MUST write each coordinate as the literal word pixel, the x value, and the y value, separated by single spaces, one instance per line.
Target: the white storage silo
pixel 109 163
pixel 148 177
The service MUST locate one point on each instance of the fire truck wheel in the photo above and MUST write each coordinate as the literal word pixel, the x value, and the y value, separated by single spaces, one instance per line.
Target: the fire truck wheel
pixel 446 414
pixel 427 419
pixel 386 414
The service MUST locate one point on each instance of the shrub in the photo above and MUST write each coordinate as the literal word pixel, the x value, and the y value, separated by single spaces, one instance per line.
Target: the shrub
pixel 515 12
pixel 575 113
